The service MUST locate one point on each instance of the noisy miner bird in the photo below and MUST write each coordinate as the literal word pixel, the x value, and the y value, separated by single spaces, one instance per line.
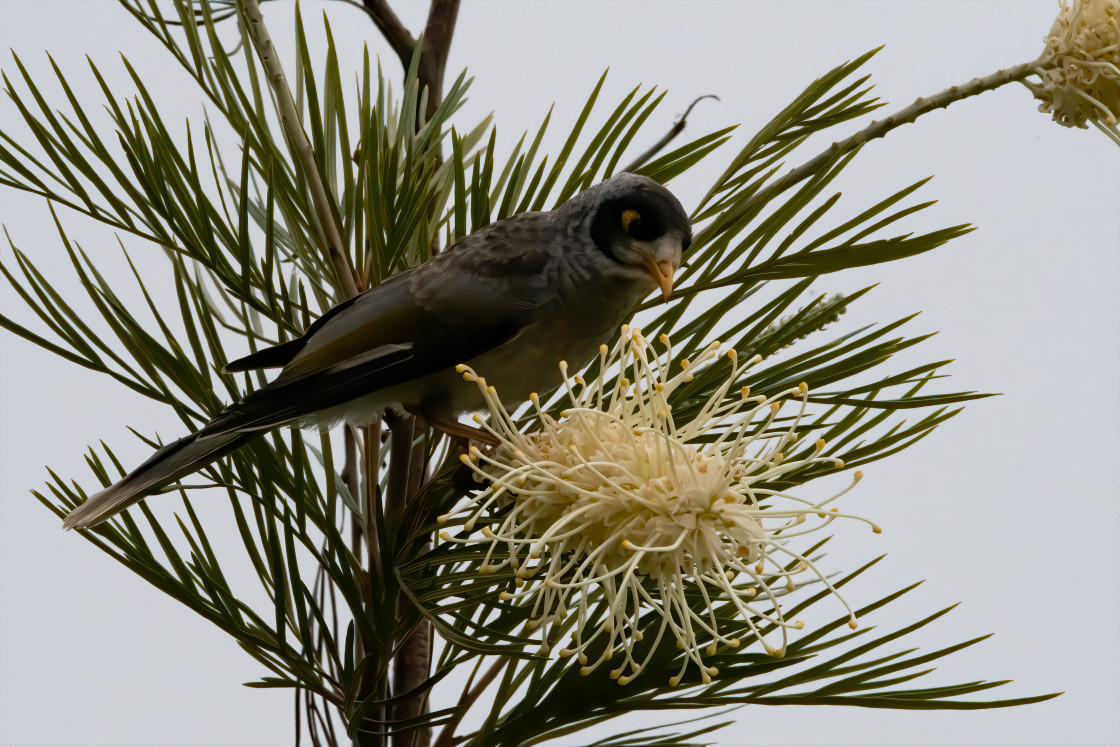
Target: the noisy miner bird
pixel 511 300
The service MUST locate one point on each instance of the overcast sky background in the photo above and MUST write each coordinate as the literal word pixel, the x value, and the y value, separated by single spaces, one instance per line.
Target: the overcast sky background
pixel 1010 509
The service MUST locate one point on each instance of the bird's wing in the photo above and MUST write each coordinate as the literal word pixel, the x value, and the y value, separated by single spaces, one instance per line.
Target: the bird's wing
pixel 278 356
pixel 461 304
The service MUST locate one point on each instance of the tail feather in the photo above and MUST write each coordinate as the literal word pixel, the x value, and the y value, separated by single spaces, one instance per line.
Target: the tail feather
pixel 175 460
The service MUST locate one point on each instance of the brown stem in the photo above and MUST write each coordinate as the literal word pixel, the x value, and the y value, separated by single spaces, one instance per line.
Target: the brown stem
pixel 370 497
pixel 411 661
pixel 442 15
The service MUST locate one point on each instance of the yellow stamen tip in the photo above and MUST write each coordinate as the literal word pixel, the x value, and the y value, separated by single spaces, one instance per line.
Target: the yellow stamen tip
pixel 674 681
pixel 505 596
pixel 442 519
pixel 625 680
pixel 803 388
pixel 584 671
pixel 445 536
pixel 799 625
pixel 853 624
pixel 460 368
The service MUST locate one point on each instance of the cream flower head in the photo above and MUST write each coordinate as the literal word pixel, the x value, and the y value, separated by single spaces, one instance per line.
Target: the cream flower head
pixel 1081 81
pixel 617 509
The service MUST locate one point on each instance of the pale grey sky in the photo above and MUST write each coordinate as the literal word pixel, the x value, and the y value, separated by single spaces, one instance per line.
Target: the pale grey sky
pixel 1009 509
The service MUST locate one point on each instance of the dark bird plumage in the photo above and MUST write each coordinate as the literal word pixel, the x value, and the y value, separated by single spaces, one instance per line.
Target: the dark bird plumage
pixel 511 300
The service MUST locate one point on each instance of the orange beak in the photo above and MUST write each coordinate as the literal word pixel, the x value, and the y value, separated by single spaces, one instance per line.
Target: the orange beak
pixel 662 272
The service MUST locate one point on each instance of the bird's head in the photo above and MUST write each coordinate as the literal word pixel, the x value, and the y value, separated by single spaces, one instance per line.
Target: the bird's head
pixel 640 225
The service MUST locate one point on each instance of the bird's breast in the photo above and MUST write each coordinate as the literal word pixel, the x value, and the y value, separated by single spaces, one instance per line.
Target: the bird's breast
pixel 570 329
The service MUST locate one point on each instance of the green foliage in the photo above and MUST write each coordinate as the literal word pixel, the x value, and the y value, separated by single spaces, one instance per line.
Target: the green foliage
pixel 243 246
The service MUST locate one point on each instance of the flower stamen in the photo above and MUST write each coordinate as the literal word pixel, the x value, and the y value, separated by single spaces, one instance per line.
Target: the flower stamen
pixel 620 513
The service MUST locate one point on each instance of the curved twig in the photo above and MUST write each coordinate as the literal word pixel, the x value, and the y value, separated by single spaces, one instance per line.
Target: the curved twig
pixel 391 28
pixel 675 130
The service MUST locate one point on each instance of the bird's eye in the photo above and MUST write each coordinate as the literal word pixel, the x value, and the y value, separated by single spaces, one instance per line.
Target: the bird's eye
pixel 629 218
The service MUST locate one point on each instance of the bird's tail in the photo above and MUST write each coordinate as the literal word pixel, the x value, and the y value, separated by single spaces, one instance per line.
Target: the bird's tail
pixel 173 461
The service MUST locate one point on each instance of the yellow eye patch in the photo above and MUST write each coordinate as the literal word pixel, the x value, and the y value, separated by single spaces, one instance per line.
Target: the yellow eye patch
pixel 629 217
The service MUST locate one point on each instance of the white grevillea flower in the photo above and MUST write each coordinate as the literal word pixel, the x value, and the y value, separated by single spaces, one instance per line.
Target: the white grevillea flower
pixel 618 509
pixel 1081 82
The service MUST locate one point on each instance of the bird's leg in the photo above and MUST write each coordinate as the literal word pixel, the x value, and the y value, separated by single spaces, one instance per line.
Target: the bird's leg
pixel 455 429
